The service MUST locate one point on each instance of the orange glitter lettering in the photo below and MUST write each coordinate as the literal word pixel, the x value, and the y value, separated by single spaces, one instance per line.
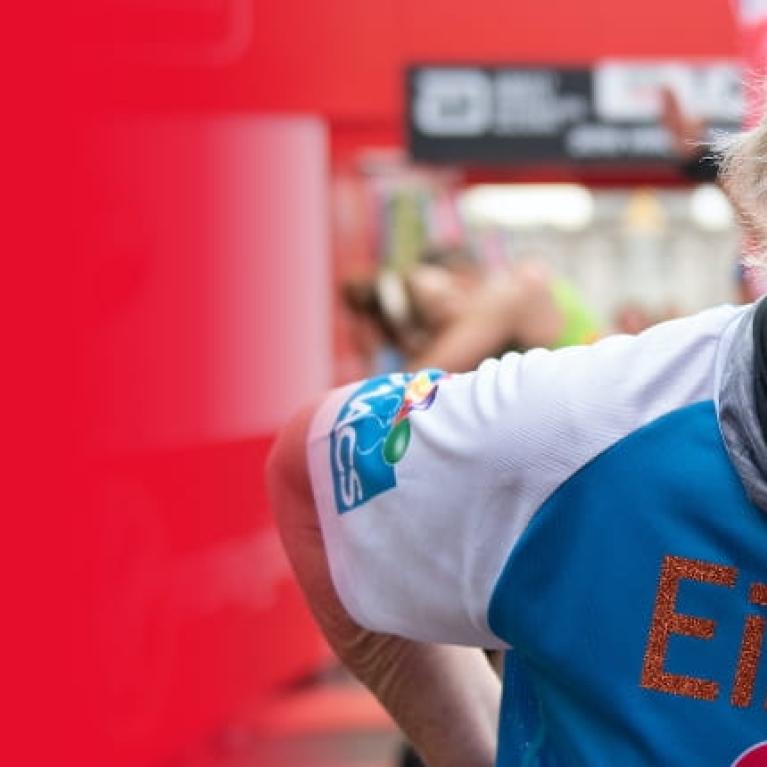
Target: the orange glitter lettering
pixel 750 650
pixel 666 621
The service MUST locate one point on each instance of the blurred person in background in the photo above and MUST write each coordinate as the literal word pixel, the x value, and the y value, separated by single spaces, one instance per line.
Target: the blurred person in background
pixel 385 326
pixel 632 317
pixel 593 507
pixel 699 163
pixel 471 313
pixel 451 313
pixel 696 158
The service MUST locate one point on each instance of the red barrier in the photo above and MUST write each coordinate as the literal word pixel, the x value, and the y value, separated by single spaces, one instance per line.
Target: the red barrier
pixel 166 266
pixel 199 620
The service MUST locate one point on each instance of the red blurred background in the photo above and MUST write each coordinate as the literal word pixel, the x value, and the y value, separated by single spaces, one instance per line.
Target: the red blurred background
pixel 172 167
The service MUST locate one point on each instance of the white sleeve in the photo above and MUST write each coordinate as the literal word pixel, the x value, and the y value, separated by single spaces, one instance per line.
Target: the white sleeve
pixel 424 483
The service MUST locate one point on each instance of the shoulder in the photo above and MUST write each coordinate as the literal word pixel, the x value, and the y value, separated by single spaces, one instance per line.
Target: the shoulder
pixel 425 483
pixel 561 408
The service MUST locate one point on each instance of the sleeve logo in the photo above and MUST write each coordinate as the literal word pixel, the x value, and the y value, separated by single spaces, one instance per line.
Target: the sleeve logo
pixel 372 433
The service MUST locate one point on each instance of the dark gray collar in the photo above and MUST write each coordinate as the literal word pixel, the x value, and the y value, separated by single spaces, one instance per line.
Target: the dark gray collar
pixel 745 374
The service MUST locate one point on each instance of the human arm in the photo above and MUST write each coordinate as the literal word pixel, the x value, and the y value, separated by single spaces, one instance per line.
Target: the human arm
pixel 479 333
pixel 515 307
pixel 697 160
pixel 445 698
pixel 420 539
pixel 687 132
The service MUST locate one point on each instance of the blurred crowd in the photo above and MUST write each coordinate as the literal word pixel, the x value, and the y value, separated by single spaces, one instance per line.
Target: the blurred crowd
pixel 451 312
pixel 450 308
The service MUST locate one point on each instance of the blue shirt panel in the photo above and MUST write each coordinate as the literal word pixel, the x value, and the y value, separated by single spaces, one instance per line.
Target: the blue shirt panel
pixel 576 601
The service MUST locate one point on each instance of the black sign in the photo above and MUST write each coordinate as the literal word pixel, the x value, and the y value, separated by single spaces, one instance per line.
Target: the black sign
pixel 608 114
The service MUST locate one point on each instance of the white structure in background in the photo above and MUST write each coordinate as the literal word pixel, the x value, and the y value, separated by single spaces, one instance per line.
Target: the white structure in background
pixel 668 250
pixel 526 206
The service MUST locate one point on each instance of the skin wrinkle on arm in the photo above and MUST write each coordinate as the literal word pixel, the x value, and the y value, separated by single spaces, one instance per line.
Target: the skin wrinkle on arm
pixel 445 698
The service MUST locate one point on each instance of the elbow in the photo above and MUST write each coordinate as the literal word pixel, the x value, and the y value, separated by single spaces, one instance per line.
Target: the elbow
pixel 292 502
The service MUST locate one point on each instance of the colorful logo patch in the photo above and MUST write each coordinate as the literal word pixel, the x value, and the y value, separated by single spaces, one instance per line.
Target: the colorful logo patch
pixel 756 756
pixel 372 434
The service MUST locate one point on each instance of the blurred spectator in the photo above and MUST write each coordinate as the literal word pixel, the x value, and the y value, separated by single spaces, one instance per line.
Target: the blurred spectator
pixel 385 327
pixel 471 314
pixel 450 313
pixel 632 318
pixel 699 163
pixel 697 160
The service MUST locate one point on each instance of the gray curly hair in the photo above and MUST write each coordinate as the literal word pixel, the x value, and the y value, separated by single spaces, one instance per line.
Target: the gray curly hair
pixel 743 174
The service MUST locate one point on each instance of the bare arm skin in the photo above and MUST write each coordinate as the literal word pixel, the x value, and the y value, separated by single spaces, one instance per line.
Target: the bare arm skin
pixel 480 333
pixel 687 132
pixel 519 309
pixel 446 699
